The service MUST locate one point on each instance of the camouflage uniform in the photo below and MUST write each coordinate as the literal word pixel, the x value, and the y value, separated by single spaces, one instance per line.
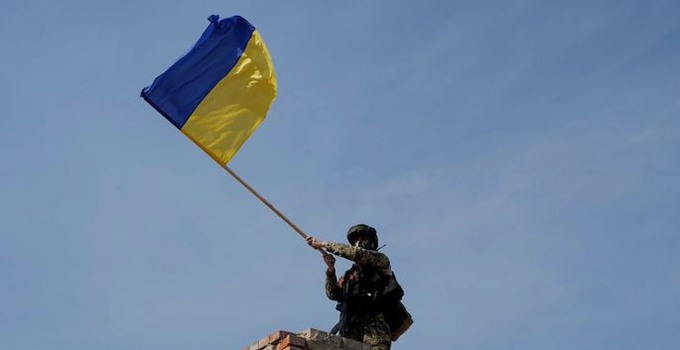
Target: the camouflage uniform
pixel 368 325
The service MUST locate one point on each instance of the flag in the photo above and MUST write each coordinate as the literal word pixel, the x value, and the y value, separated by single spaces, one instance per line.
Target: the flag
pixel 219 92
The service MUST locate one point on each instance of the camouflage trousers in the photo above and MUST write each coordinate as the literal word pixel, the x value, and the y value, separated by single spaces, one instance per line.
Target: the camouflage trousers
pixel 371 329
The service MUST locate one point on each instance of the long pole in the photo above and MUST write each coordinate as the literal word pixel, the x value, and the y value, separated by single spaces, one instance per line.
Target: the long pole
pixel 269 205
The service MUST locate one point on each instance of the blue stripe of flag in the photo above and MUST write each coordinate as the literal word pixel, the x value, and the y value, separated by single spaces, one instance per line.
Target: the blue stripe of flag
pixel 179 90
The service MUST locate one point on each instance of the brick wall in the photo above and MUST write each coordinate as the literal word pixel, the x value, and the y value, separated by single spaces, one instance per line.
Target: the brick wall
pixel 311 339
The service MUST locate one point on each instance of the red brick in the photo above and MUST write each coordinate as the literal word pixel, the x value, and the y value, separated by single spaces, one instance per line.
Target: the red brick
pixel 276 336
pixel 292 347
pixel 263 342
pixel 291 340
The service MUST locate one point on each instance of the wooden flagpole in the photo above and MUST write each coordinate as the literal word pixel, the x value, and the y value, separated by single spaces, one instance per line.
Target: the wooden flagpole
pixel 263 200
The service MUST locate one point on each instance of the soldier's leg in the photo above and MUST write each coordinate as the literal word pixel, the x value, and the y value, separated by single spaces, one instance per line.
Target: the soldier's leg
pixel 355 333
pixel 377 343
pixel 377 333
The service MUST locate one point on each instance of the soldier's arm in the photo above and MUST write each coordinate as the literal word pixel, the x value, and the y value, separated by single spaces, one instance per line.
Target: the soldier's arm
pixel 359 255
pixel 333 291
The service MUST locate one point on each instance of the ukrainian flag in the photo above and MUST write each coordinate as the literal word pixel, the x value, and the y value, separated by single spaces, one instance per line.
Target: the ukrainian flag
pixel 219 92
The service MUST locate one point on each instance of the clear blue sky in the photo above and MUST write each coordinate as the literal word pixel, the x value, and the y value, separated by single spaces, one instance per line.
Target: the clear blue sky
pixel 519 158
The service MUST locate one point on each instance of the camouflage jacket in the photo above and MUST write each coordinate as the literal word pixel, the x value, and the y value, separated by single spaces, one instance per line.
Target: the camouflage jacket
pixel 360 257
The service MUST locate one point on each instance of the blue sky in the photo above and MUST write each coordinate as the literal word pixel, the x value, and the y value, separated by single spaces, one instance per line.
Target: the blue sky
pixel 518 158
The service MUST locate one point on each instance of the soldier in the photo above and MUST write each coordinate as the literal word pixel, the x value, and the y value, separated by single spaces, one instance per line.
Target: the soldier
pixel 359 292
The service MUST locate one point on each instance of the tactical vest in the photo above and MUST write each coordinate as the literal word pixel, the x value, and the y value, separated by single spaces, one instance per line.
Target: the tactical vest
pixel 371 290
pixel 368 286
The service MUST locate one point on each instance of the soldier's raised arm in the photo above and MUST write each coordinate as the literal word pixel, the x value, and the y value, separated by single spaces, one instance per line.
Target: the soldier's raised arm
pixel 333 290
pixel 361 250
pixel 359 255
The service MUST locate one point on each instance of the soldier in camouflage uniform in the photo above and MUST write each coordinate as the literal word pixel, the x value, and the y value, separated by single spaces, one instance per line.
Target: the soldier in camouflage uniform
pixel 364 320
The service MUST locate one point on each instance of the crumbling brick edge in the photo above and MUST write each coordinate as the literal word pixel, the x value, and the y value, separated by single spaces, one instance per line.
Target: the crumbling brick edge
pixel 310 339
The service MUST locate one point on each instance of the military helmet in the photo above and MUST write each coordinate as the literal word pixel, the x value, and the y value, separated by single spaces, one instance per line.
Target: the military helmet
pixel 362 230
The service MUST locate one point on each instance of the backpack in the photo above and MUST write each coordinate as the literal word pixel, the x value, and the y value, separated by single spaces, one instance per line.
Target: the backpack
pixel 397 317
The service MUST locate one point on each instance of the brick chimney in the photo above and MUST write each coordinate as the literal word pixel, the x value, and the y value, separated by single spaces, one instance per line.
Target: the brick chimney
pixel 311 339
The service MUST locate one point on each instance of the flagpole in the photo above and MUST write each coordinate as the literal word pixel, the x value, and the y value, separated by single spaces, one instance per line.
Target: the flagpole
pixel 263 200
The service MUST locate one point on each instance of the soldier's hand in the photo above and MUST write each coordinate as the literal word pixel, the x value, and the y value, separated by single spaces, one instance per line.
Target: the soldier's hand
pixel 330 262
pixel 315 243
